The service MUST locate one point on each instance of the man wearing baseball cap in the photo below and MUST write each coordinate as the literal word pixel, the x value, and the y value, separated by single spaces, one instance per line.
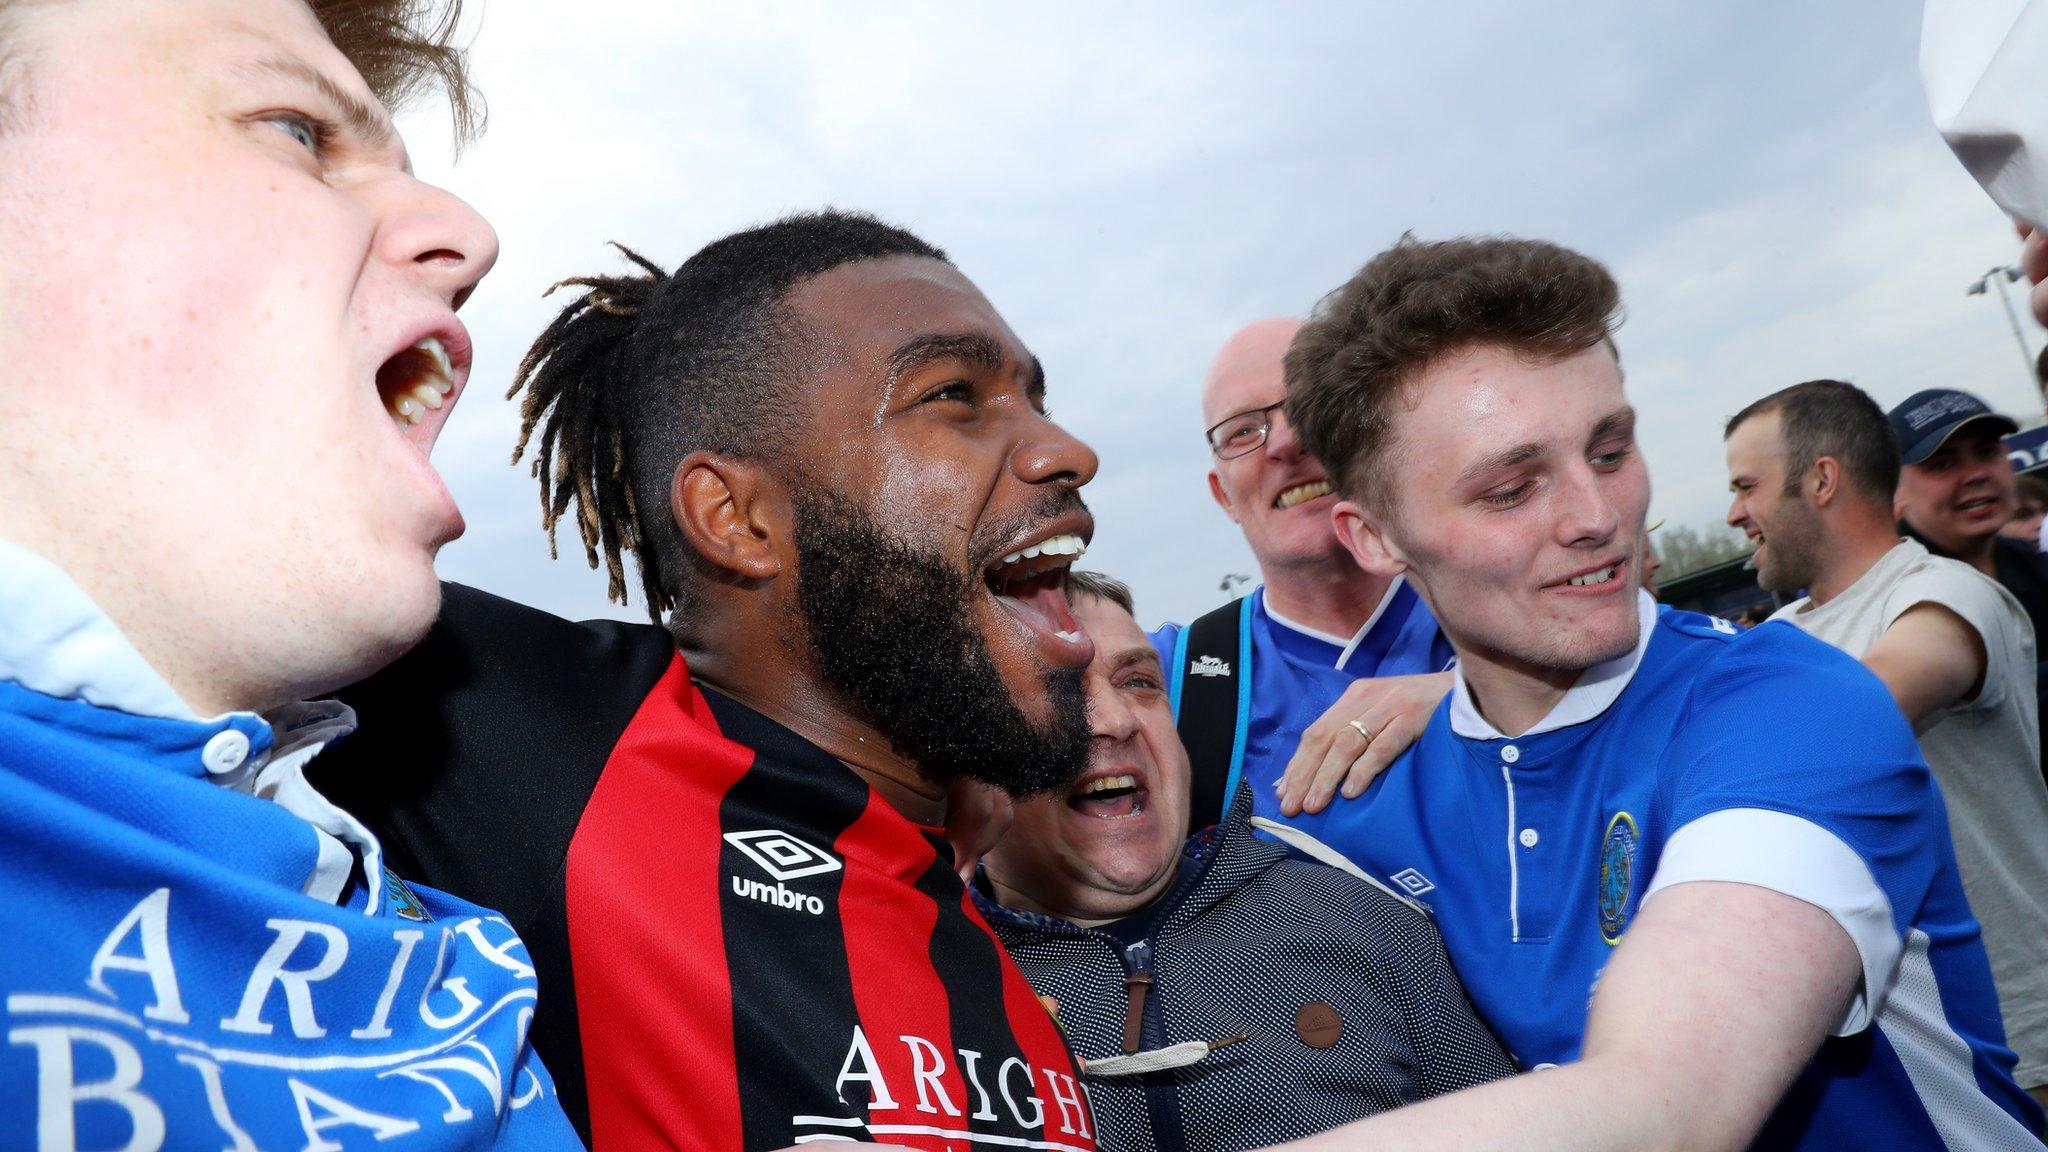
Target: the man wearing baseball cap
pixel 1956 491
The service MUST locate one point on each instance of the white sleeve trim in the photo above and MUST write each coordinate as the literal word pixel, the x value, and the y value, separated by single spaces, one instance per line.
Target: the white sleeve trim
pixel 1798 858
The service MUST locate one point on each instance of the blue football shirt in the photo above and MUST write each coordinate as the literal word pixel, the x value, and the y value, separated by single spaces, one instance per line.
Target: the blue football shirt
pixel 1764 758
pixel 1297 673
pixel 197 951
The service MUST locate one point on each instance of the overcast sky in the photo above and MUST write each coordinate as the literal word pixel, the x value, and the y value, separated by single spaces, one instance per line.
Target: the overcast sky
pixel 1130 183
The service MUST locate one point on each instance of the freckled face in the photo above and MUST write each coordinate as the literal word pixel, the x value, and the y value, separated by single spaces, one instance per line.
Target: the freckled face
pixel 205 264
pixel 1520 501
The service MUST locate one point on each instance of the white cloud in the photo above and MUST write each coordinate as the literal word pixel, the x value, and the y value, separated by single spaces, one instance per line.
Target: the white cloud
pixel 1131 183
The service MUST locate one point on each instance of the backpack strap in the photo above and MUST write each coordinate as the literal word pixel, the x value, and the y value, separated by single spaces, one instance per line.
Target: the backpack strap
pixel 1212 685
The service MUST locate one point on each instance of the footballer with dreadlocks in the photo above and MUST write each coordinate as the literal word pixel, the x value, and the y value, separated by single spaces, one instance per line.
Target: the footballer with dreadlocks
pixel 830 458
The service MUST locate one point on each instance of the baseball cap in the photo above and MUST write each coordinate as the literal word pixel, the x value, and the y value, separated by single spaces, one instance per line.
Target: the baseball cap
pixel 1927 419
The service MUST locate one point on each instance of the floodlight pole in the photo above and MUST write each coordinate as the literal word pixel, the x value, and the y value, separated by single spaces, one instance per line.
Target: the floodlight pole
pixel 1998 278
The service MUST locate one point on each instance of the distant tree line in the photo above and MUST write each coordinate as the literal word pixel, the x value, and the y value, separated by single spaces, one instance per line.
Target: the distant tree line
pixel 1686 549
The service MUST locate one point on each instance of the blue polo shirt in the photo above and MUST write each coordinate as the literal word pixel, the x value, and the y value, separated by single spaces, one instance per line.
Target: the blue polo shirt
pixel 1297 673
pixel 1765 758
pixel 197 951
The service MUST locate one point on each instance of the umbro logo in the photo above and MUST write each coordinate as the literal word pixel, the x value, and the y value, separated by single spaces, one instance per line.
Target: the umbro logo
pixel 786 858
pixel 1209 666
pixel 781 855
pixel 1412 882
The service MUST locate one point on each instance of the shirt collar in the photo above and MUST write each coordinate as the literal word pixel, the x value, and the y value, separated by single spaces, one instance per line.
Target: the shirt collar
pixel 303 732
pixel 1907 551
pixel 1345 645
pixel 55 641
pixel 1596 689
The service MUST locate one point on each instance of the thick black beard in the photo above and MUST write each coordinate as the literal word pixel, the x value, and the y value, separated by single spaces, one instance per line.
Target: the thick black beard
pixel 889 628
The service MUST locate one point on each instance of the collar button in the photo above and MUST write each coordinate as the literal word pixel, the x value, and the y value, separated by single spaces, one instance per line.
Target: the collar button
pixel 225 752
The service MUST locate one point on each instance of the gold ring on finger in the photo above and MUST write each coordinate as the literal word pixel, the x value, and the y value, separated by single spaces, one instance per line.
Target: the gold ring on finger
pixel 1364 733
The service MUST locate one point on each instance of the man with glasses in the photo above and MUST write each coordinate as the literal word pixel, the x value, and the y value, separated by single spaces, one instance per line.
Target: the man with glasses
pixel 1325 672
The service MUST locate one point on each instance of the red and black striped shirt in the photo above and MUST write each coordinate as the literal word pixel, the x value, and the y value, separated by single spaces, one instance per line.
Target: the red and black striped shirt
pixel 740 944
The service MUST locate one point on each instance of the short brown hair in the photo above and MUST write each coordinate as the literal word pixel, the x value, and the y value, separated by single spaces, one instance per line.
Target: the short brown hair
pixel 1830 418
pixel 402 48
pixel 1101 587
pixel 1411 306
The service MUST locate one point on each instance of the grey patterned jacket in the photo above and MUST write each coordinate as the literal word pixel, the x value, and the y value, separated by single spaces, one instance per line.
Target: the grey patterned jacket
pixel 1344 996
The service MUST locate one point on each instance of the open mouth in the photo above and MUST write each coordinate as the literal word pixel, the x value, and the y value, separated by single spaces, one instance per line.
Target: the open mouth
pixel 1604 578
pixel 416 381
pixel 1109 797
pixel 1978 506
pixel 1031 585
pixel 1302 493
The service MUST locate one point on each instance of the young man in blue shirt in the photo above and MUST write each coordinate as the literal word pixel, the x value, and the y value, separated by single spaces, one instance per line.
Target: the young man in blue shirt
pixel 1314 680
pixel 227 310
pixel 1700 877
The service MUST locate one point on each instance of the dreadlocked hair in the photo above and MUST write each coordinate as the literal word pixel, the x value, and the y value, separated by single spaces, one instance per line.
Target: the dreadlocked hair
pixel 563 375
pixel 645 368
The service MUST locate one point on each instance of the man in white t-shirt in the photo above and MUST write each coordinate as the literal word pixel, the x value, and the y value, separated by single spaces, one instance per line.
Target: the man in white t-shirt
pixel 1813 469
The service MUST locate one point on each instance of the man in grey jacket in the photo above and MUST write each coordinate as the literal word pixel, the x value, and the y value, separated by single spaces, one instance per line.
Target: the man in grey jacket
pixel 1223 995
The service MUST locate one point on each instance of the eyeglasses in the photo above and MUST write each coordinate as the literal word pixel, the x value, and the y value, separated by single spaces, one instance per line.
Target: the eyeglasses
pixel 1243 433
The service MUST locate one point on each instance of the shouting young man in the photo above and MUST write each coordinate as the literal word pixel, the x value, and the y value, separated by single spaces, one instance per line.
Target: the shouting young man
pixel 1703 873
pixel 224 300
pixel 830 457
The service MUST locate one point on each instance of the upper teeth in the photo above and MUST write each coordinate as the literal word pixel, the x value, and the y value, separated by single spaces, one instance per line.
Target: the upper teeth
pixel 1073 637
pixel 435 382
pixel 1600 577
pixel 1067 545
pixel 1301 492
pixel 1108 784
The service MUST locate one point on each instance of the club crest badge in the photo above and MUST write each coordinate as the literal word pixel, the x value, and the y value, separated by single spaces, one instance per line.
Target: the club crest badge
pixel 1617 875
pixel 401 899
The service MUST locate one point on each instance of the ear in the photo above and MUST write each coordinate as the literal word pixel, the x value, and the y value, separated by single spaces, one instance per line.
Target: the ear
pixel 1222 497
pixel 731 513
pixel 1824 481
pixel 1365 538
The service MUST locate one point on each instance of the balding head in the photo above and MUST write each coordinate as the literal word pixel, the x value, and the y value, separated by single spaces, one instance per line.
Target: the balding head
pixel 1247 370
pixel 1279 497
